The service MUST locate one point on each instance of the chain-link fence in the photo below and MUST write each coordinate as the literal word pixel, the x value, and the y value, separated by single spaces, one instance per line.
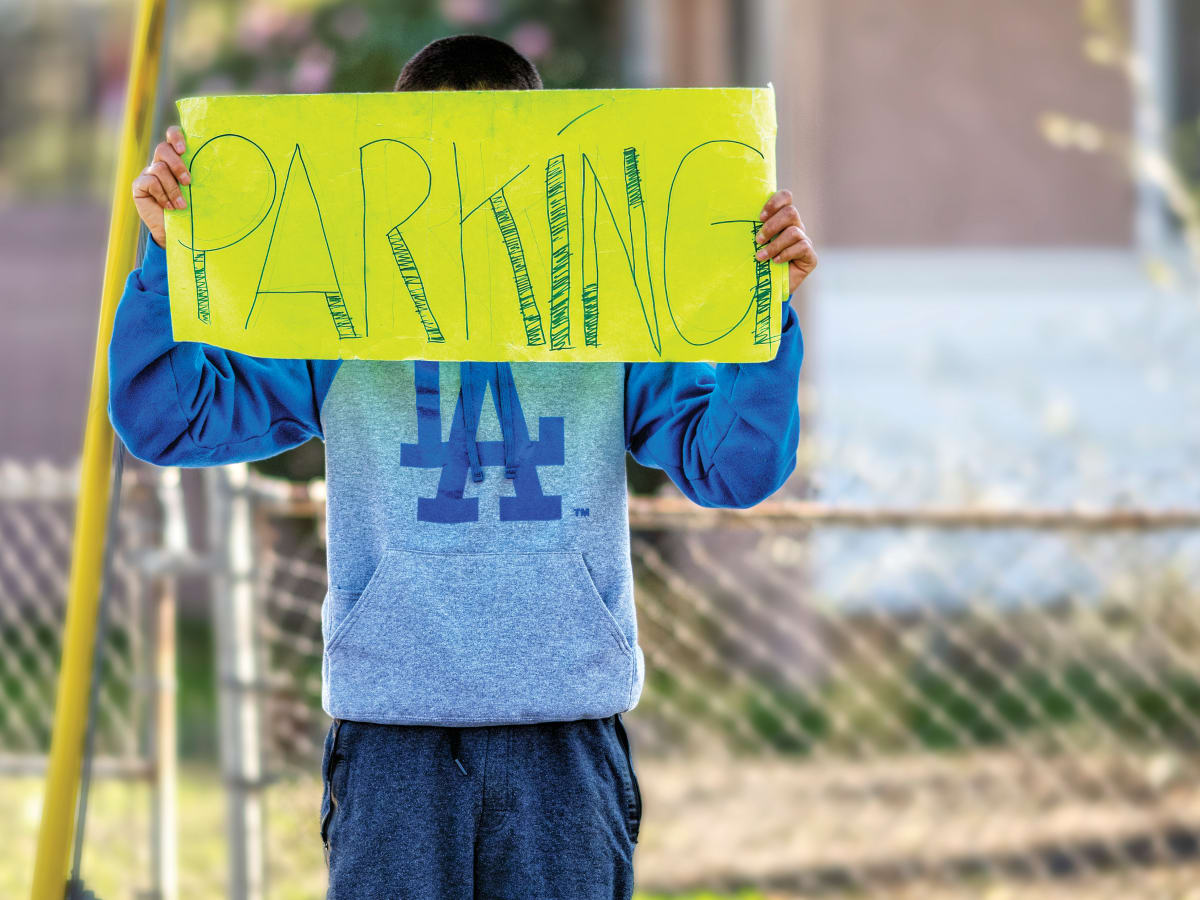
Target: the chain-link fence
pixel 839 700
pixel 851 699
pixel 37 504
pixel 134 714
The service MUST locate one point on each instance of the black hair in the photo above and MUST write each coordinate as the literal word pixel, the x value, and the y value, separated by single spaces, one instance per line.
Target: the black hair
pixel 468 62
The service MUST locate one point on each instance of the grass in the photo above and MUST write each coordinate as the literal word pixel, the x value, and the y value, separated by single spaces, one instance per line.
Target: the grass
pixel 117 860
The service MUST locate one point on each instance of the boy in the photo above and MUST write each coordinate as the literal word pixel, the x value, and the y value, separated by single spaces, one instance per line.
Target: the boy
pixel 480 634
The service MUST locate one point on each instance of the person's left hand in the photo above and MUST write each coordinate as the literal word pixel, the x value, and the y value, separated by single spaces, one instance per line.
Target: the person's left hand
pixel 784 229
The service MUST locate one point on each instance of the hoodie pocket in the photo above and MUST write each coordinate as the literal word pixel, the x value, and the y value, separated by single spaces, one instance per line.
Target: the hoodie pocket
pixel 478 638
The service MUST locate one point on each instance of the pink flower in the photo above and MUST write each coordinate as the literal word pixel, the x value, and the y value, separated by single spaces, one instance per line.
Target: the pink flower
pixel 469 12
pixel 313 69
pixel 532 39
pixel 259 25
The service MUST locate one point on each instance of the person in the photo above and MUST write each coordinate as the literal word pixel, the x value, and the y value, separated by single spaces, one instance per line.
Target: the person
pixel 480 636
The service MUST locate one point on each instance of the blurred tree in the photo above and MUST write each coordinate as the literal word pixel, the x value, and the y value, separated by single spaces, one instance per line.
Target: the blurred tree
pixel 360 45
pixel 1170 169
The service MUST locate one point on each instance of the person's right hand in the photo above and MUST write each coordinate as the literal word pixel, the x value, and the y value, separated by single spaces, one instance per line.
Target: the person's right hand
pixel 157 188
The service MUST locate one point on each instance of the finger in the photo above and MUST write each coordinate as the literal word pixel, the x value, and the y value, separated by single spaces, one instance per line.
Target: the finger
pixel 777 201
pixel 781 220
pixel 801 254
pixel 166 177
pixel 146 185
pixel 167 154
pixel 175 138
pixel 786 238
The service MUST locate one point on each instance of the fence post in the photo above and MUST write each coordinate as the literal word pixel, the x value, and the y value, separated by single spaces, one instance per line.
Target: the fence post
pixel 164 744
pixel 238 678
pixel 1153 117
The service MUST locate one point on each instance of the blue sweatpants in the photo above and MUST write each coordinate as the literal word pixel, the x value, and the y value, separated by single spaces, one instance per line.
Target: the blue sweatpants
pixel 546 811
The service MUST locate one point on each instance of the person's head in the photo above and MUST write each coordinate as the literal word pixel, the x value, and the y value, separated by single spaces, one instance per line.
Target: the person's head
pixel 468 62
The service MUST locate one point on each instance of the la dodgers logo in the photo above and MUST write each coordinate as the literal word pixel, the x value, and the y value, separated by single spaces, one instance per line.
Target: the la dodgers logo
pixel 431 452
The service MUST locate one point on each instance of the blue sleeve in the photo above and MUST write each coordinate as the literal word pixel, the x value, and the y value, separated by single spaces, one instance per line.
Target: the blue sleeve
pixel 725 434
pixel 181 403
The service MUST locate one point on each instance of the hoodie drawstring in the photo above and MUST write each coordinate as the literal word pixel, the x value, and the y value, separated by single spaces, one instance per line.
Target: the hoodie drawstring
pixel 473 379
pixel 508 430
pixel 468 391
pixel 456 749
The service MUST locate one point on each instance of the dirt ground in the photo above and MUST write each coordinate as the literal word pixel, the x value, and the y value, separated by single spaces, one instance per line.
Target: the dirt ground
pixel 991 828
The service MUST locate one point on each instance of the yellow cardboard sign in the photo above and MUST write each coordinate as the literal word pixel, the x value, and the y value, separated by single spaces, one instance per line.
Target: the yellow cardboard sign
pixel 481 225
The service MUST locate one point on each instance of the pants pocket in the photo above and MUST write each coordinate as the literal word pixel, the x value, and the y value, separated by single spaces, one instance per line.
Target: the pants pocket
pixel 633 798
pixel 331 798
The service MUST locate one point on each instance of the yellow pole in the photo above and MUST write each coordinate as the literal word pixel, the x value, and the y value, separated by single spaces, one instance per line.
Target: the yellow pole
pixel 91 511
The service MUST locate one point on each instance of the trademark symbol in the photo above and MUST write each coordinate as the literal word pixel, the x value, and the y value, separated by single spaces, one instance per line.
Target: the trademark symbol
pixel 581 512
